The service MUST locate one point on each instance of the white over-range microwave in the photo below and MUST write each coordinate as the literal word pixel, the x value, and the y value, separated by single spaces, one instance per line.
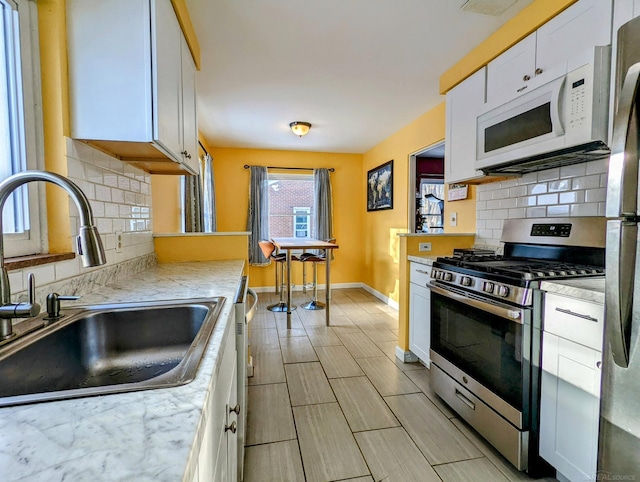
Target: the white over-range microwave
pixel 563 121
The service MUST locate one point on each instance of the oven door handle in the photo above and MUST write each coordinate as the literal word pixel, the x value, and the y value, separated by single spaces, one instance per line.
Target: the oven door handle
pixel 511 313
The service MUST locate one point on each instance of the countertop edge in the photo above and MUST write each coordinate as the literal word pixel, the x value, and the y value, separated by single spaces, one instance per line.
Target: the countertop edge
pixel 586 289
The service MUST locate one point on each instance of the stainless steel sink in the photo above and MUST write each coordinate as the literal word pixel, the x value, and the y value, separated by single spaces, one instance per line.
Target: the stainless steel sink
pixel 111 348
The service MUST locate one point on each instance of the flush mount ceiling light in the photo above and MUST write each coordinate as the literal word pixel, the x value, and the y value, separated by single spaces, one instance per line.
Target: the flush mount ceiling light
pixel 300 128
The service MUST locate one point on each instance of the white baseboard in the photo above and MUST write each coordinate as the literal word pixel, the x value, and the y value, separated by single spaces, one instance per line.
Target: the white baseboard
pixel 392 303
pixel 334 286
pixel 405 356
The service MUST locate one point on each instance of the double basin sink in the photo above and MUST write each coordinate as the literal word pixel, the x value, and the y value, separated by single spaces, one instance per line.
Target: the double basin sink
pixel 108 348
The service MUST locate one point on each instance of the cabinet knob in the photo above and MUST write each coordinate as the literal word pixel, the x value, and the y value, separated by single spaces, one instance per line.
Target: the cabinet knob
pixel 235 409
pixel 233 428
pixel 598 364
pixel 186 154
pixel 526 78
pixel 539 71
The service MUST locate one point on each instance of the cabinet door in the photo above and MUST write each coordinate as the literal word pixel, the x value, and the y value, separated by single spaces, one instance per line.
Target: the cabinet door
pixel 167 76
pixel 419 321
pixel 189 115
pixel 508 75
pixel 464 102
pixel 570 407
pixel 232 435
pixel 582 26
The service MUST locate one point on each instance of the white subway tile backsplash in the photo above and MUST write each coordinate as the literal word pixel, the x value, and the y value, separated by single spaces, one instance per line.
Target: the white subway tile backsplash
pixel 549 174
pixel 103 193
pixel 536 212
pixel 598 167
pixel 572 197
pixel 586 182
pixel 596 195
pixel 558 210
pixel 117 196
pixel 111 210
pixel 577 190
pixel 584 209
pixel 573 170
pixel 563 185
pixel 540 188
pixel 547 199
pixel 529 178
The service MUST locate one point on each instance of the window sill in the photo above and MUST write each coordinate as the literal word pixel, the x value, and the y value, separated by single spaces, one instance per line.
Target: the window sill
pixel 20 262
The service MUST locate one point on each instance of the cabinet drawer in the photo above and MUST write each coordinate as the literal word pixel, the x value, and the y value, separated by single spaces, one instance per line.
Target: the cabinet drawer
pixel 420 274
pixel 576 320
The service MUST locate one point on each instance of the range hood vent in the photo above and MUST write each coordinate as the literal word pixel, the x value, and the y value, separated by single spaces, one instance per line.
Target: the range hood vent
pixel 573 155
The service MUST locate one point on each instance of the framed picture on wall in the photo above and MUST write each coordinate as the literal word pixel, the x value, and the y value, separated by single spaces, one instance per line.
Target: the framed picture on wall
pixel 380 187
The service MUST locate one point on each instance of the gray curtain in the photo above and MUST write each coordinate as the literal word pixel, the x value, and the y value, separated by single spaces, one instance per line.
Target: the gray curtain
pixel 209 196
pixel 323 204
pixel 192 192
pixel 258 217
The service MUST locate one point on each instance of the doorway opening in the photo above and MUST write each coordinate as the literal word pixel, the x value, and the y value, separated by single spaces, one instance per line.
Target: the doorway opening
pixel 426 190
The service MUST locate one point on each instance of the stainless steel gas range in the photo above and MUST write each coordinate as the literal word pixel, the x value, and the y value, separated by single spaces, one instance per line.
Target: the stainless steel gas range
pixel 486 323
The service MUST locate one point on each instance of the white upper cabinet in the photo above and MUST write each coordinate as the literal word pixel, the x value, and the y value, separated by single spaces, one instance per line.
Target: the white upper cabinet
pixel 464 102
pixel 509 73
pixel 546 53
pixel 132 83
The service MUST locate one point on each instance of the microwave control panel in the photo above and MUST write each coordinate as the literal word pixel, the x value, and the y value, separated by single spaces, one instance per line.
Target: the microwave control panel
pixel 577 96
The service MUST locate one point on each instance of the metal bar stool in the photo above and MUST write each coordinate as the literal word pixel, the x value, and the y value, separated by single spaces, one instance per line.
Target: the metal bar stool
pixel 314 304
pixel 268 250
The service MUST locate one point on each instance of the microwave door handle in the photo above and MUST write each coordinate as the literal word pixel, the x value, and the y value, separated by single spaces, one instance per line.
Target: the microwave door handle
pixel 619 287
pixel 558 128
pixel 622 185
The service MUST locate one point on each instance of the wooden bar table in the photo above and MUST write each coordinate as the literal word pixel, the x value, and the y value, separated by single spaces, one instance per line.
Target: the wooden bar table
pixel 306 244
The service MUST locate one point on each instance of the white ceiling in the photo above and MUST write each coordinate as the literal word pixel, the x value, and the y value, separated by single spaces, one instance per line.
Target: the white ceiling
pixel 357 70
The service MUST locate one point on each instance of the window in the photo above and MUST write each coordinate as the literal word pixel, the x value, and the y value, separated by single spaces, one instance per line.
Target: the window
pixel 301 220
pixel 19 119
pixel 291 209
pixel 431 210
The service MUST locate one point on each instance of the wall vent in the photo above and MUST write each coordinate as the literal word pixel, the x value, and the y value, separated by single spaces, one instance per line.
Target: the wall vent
pixel 494 8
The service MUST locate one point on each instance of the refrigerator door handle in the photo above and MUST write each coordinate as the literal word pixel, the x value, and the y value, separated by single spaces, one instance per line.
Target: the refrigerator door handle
pixel 620 272
pixel 622 186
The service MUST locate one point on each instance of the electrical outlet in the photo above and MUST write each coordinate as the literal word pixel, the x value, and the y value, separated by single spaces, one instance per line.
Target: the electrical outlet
pixel 453 219
pixel 118 241
pixel 424 247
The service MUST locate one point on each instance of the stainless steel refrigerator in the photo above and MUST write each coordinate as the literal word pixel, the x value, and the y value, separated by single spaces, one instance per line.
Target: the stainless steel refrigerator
pixel 619 441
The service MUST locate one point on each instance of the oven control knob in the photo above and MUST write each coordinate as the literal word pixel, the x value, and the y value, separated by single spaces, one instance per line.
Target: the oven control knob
pixel 434 272
pixel 488 287
pixel 503 291
pixel 440 274
pixel 448 276
pixel 465 281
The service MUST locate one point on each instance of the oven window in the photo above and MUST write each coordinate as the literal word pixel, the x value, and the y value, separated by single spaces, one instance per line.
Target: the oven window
pixel 485 346
pixel 528 125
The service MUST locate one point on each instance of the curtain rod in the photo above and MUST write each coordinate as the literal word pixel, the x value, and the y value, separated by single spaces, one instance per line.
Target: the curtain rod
pixel 203 148
pixel 331 169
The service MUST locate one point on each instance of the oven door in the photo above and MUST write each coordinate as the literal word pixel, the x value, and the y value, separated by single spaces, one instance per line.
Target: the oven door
pixel 485 346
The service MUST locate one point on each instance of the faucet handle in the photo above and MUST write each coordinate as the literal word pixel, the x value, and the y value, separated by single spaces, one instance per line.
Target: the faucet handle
pixel 53 304
pixel 31 288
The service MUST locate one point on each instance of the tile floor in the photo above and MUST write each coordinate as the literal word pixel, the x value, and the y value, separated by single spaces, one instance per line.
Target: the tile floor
pixel 335 404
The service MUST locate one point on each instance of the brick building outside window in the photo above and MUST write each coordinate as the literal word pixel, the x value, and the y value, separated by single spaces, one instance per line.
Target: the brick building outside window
pixel 291 209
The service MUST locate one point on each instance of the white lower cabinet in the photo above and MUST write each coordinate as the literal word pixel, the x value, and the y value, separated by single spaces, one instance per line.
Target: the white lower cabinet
pixel 218 459
pixel 420 312
pixel 570 391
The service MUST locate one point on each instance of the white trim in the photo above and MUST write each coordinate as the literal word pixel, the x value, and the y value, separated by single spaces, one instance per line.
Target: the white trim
pixel 217 233
pixel 393 304
pixel 405 356
pixel 336 286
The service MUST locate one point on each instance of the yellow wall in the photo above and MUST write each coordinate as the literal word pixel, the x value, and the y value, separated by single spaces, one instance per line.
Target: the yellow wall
pixel 528 20
pixel 165 203
pixel 381 244
pixel 180 248
pixel 232 200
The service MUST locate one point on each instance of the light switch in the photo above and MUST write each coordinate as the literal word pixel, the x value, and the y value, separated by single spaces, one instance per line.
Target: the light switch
pixel 453 219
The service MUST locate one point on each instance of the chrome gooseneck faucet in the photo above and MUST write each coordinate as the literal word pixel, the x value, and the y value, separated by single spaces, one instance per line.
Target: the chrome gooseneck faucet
pixel 89 244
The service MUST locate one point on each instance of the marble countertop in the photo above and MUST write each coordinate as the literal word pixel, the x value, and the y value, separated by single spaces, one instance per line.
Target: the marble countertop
pixel 587 289
pixel 143 436
pixel 427 260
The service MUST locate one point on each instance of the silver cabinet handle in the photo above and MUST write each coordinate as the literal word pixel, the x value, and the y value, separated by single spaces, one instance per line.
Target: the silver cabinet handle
pixel 235 409
pixel 538 71
pixel 579 315
pixel 526 77
pixel 420 271
pixel 233 428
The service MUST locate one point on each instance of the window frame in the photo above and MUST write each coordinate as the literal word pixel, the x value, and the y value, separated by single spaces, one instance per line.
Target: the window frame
pixel 273 177
pixel 30 127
